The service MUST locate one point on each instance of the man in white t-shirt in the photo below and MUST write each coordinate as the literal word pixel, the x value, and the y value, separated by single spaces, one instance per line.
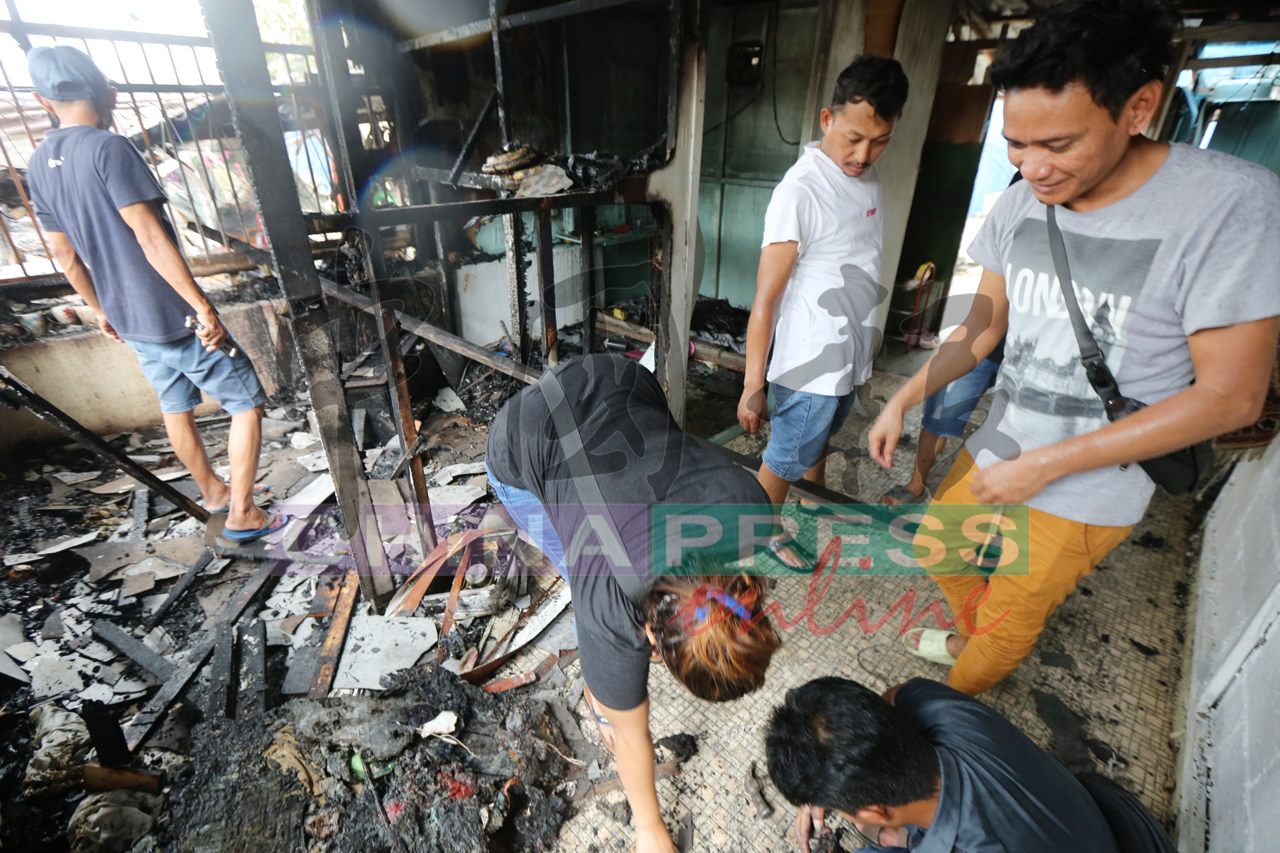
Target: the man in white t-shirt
pixel 818 286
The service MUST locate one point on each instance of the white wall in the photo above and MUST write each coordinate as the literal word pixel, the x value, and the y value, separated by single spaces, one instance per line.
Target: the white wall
pixel 480 294
pixel 1230 783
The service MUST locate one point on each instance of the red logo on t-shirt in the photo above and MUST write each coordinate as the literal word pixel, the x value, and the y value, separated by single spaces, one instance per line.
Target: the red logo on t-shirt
pixel 871 212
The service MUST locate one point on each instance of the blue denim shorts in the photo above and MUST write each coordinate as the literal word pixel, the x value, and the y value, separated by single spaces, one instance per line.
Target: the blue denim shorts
pixel 947 411
pixel 528 512
pixel 180 370
pixel 800 427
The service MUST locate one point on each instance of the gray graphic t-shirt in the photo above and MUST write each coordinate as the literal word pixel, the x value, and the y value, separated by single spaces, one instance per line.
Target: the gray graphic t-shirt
pixel 1195 247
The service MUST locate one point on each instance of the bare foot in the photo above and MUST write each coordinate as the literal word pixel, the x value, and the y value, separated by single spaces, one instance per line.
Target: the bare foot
pixel 784 553
pixel 251 520
pixel 955 645
pixel 217 497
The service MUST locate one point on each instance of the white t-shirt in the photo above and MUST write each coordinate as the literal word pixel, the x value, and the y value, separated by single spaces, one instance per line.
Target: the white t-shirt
pixel 827 335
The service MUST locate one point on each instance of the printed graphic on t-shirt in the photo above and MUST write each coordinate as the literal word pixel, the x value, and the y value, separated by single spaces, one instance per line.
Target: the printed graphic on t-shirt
pixel 1049 395
pixel 855 303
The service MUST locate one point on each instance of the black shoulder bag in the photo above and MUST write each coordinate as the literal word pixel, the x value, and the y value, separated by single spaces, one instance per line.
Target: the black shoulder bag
pixel 1178 472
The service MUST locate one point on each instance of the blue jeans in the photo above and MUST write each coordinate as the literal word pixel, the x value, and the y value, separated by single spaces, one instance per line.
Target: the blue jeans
pixel 528 512
pixel 179 370
pixel 800 427
pixel 947 411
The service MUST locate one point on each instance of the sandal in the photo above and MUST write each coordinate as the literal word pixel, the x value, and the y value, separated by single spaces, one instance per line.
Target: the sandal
pixel 275 521
pixel 933 645
pixel 902 496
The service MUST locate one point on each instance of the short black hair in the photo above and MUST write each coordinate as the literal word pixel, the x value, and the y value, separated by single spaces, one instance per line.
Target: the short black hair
pixel 1112 47
pixel 837 745
pixel 877 80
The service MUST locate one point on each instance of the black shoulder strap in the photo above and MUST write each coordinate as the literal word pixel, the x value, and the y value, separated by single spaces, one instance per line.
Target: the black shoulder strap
pixel 584 479
pixel 1095 364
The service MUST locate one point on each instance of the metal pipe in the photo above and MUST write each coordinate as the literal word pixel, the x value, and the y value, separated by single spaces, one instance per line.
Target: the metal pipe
pixel 497 72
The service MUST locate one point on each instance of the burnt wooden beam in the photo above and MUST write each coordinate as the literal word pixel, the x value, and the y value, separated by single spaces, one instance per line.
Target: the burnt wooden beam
pixel 425 330
pixel 237 43
pixel 18 394
pixel 134 649
pixel 587 262
pixel 547 285
pixel 518 301
pixel 221 680
pixel 424 213
pixel 402 410
pixel 331 649
pixel 153 712
pixel 183 584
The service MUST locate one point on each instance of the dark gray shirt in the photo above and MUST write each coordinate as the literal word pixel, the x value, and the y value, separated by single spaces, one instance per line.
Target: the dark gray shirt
pixel 80 177
pixel 1000 792
pixel 640 458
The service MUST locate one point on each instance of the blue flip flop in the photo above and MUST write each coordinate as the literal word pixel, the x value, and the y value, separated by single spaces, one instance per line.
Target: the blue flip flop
pixel 250 535
pixel 258 492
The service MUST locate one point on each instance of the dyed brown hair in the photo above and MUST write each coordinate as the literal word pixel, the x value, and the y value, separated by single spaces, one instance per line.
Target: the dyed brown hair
pixel 721 656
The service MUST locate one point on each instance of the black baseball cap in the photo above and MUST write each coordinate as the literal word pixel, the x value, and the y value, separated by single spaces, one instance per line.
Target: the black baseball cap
pixel 62 73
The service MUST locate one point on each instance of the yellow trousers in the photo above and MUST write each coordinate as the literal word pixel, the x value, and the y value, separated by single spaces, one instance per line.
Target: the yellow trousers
pixel 1061 552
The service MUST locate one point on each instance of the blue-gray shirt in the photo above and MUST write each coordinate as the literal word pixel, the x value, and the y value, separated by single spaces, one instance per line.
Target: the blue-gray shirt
pixel 1000 792
pixel 80 177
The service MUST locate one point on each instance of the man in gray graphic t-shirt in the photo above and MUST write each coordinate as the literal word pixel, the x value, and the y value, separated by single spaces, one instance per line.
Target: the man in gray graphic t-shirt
pixel 1176 268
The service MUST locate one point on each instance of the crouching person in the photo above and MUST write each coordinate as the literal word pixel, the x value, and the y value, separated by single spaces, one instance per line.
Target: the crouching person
pixel 594 442
pixel 927 768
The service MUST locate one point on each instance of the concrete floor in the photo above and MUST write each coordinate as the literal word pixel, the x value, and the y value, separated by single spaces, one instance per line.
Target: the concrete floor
pixel 1088 660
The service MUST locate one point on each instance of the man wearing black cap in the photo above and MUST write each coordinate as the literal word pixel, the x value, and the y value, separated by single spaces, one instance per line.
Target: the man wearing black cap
pixel 101 207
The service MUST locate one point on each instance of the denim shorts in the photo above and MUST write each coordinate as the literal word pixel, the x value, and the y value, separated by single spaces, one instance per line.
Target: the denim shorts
pixel 528 512
pixel 800 427
pixel 180 370
pixel 947 411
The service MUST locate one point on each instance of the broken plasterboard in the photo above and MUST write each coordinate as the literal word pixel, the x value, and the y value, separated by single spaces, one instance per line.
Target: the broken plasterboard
pixel 449 401
pixel 449 473
pixel 124 484
pixel 71 478
pixel 450 500
pixel 378 645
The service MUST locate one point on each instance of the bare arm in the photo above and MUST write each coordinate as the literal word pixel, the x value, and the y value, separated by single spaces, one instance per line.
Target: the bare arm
pixel 776 263
pixel 1232 367
pixel 80 279
pixel 163 255
pixel 633 749
pixel 974 340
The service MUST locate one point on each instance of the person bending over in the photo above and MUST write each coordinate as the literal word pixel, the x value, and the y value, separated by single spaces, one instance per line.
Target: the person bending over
pixel 701 621
pixel 927 768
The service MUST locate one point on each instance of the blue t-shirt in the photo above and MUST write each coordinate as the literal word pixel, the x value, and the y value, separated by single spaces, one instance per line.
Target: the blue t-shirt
pixel 1001 793
pixel 80 177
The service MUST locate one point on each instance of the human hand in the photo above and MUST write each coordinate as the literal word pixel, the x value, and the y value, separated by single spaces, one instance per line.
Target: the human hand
pixel 810 824
pixel 107 329
pixel 212 333
pixel 1013 482
pixel 752 408
pixel 882 440
pixel 654 839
